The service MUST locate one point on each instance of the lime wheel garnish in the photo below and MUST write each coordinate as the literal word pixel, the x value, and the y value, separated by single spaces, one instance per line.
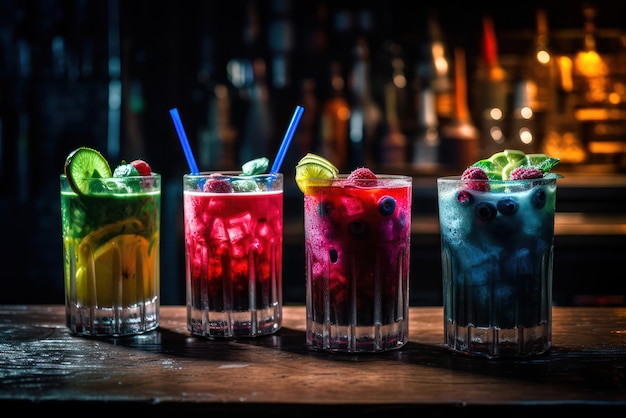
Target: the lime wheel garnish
pixel 82 165
pixel 312 166
pixel 501 164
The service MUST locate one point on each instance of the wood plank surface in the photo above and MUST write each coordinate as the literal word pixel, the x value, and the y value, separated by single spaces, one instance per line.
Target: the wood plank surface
pixel 43 366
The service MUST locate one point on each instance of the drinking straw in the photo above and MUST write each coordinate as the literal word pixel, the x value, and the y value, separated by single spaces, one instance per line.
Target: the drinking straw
pixel 280 156
pixel 182 136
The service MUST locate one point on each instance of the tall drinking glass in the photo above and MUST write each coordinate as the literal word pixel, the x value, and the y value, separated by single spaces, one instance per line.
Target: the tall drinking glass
pixel 497 250
pixel 233 253
pixel 111 255
pixel 357 235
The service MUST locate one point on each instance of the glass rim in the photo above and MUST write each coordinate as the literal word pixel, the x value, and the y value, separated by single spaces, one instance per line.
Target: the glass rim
pixel 344 177
pixel 229 173
pixel 553 177
pixel 152 175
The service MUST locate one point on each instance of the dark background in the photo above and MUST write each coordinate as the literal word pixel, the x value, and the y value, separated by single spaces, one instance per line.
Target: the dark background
pixel 105 74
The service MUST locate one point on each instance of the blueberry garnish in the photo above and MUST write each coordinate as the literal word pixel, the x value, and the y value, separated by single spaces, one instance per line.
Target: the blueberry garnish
pixel 386 205
pixel 333 255
pixel 358 228
pixel 485 211
pixel 508 206
pixel 464 197
pixel 539 198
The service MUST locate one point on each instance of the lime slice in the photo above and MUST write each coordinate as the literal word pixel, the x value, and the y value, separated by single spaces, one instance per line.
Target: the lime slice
pixel 513 155
pixel 314 167
pixel 542 162
pixel 515 159
pixel 500 165
pixel 316 159
pixel 83 164
pixel 494 165
pixel 493 171
pixel 499 160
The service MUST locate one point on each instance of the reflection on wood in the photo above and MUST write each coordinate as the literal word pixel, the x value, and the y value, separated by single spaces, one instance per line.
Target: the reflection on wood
pixel 169 369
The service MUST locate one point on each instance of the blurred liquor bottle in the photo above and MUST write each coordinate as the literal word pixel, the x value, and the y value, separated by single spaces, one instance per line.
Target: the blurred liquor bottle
pixel 460 139
pixel 393 142
pixel 308 132
pixel 590 68
pixel 541 66
pixel 365 114
pixel 426 141
pixel 600 108
pixel 434 99
pixel 335 119
pixel 435 69
pixel 562 138
pixel 534 91
pixel 251 76
pixel 523 133
pixel 281 44
pixel 491 94
pixel 217 136
pixel 257 136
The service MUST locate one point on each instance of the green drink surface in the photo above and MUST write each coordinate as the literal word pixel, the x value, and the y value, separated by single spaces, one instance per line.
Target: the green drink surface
pixel 82 215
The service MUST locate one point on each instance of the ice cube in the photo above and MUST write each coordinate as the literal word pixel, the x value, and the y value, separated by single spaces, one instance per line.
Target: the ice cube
pixel 218 230
pixel 352 206
pixel 239 227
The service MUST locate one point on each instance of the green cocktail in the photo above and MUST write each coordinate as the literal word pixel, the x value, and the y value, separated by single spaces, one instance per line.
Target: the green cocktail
pixel 111 247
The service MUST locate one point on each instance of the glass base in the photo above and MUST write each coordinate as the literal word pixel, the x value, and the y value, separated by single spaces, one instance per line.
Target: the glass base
pixel 498 342
pixel 233 324
pixel 356 339
pixel 112 322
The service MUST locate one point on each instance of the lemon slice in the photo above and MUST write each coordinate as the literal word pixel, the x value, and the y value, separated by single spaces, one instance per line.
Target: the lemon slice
pixel 84 164
pixel 120 272
pixel 314 167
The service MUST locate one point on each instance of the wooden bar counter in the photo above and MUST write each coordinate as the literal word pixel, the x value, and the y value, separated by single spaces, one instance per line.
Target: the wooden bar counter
pixel 43 368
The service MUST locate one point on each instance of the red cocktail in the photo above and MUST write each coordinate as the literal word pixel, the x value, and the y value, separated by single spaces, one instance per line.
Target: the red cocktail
pixel 233 242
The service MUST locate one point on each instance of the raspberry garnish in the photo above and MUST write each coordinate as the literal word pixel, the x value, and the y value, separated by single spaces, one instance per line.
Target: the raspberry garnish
pixel 142 167
pixel 476 173
pixel 362 174
pixel 217 186
pixel 523 173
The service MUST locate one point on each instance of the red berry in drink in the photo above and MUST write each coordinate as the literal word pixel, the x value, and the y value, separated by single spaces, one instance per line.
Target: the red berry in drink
pixel 142 167
pixel 218 186
pixel 362 176
pixel 476 173
pixel 523 173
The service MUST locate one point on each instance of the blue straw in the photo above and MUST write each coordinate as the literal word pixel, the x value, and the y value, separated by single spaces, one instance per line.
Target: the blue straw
pixel 295 119
pixel 182 136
